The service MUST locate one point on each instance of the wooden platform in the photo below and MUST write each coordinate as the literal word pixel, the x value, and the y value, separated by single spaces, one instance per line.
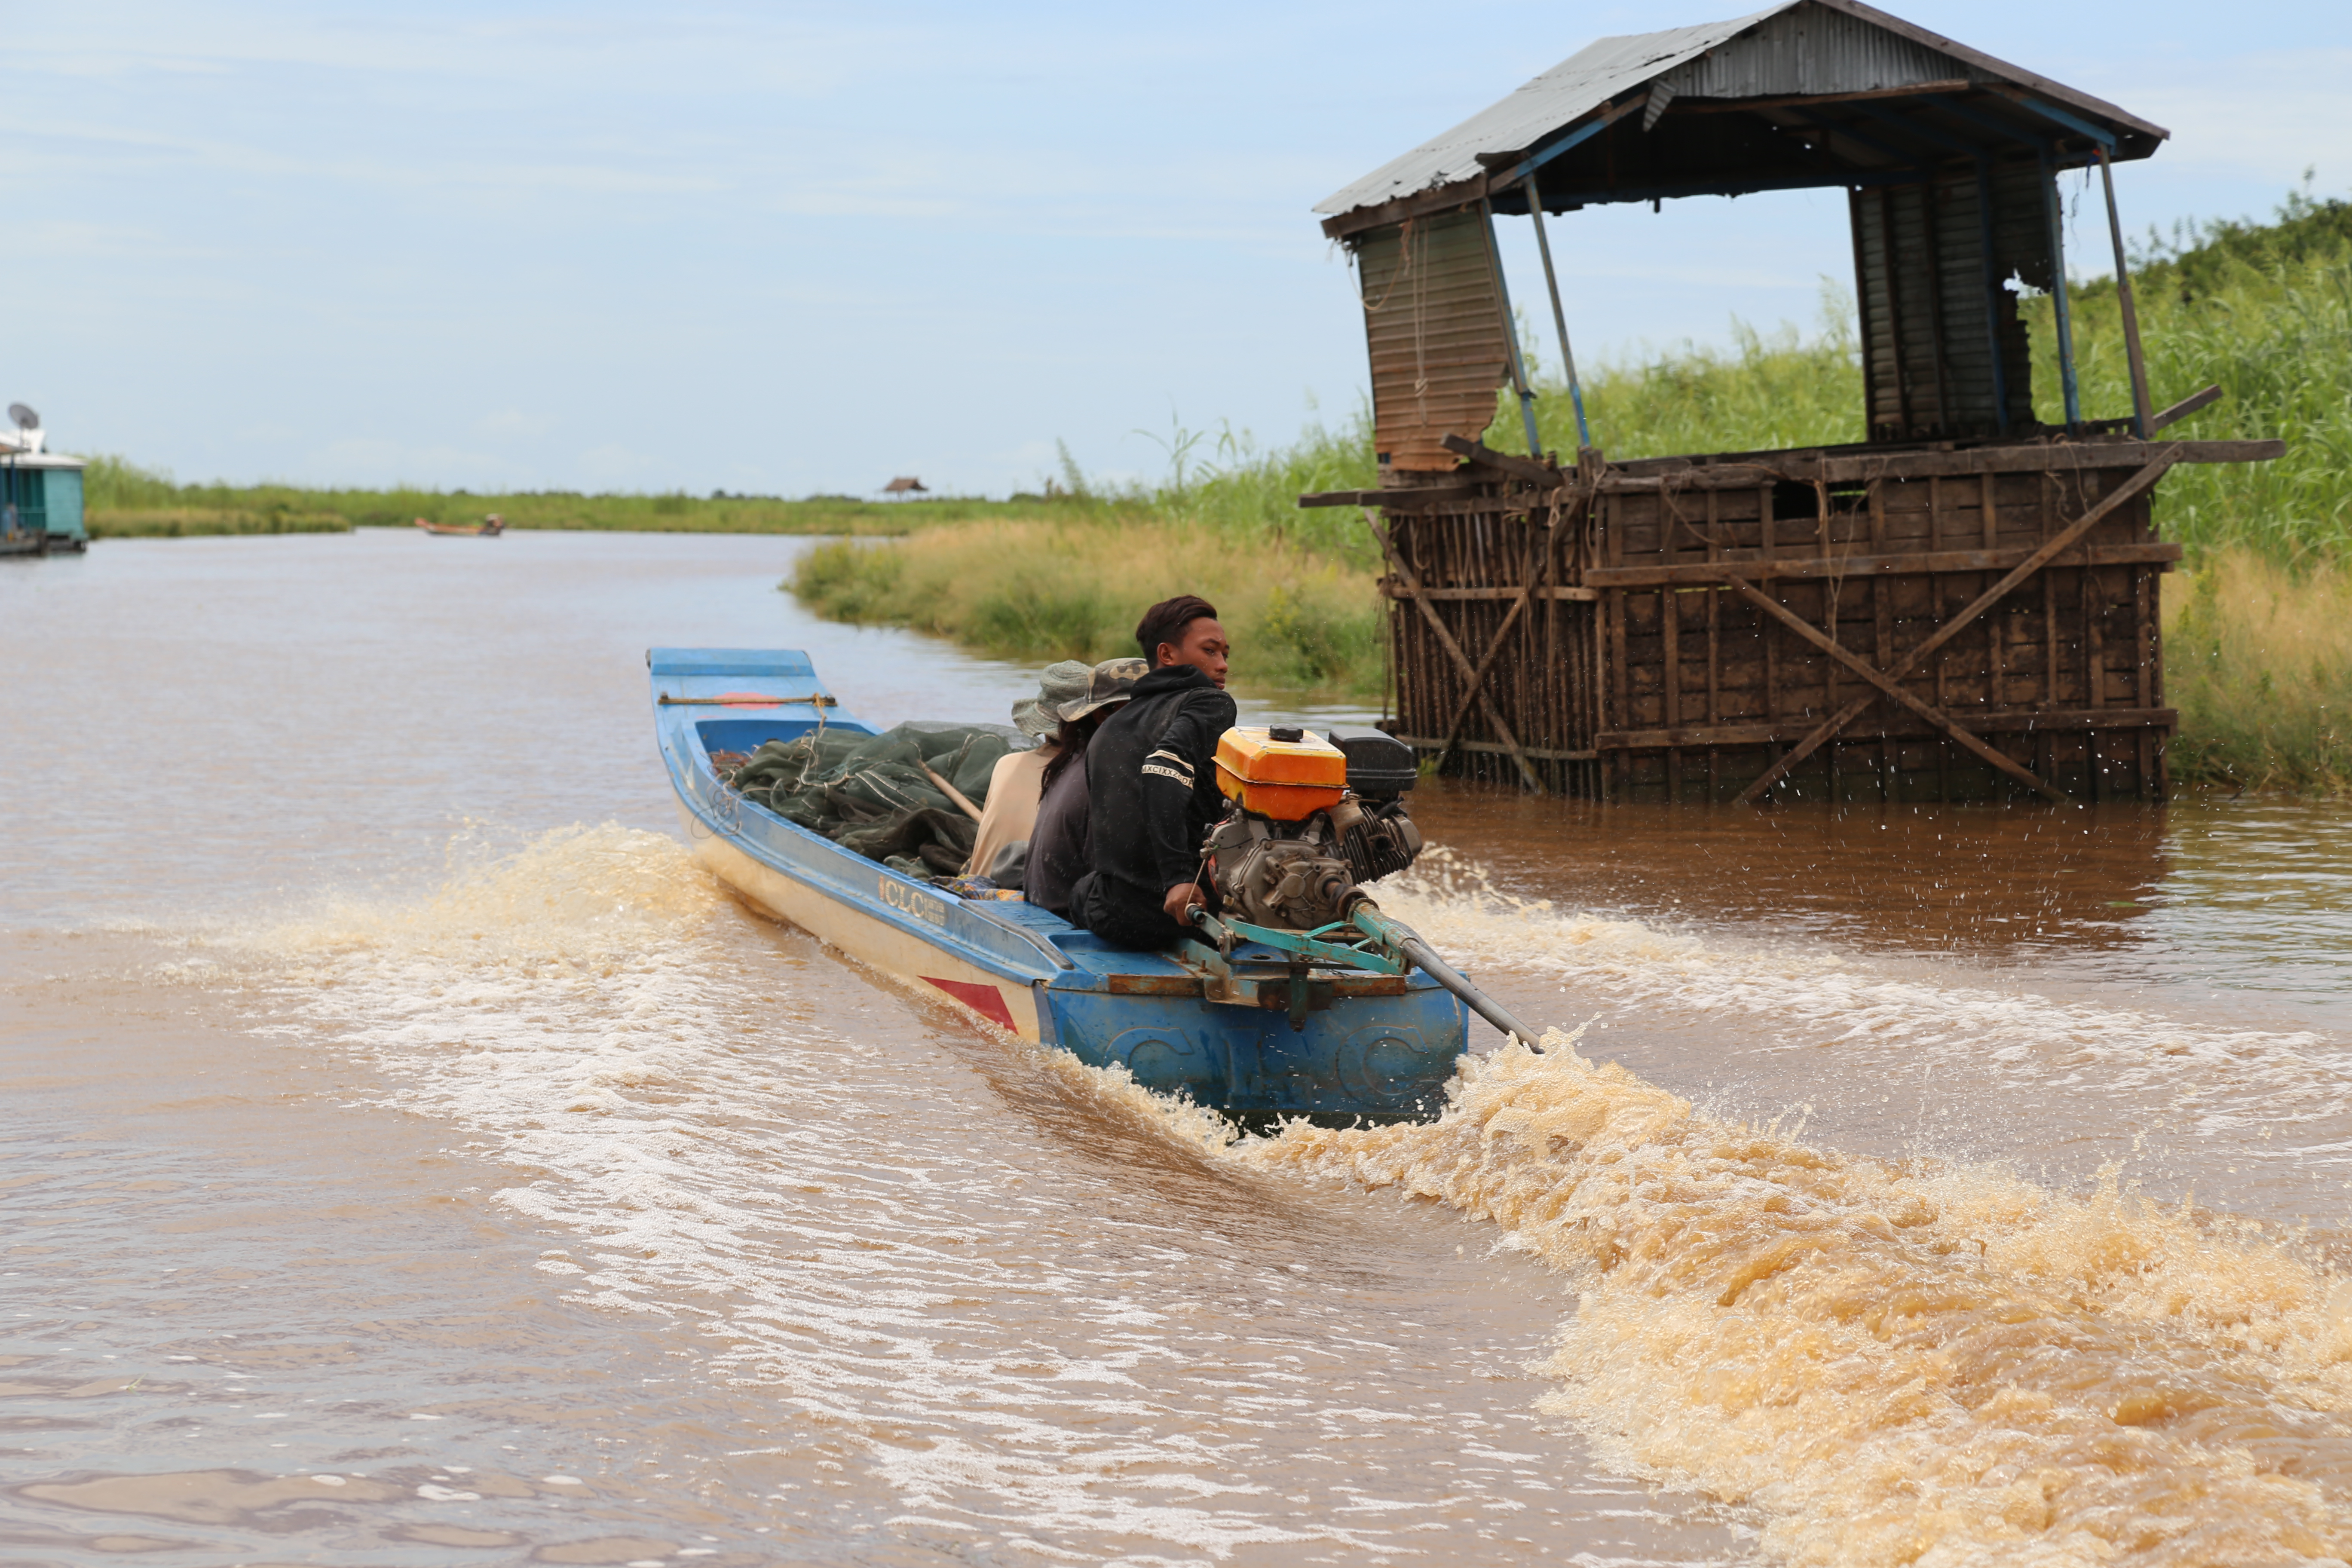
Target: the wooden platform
pixel 1932 622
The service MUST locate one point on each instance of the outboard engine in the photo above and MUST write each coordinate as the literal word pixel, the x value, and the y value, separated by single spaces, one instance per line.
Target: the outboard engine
pixel 1310 819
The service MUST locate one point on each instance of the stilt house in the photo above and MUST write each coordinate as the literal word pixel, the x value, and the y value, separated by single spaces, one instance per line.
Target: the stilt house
pixel 1963 606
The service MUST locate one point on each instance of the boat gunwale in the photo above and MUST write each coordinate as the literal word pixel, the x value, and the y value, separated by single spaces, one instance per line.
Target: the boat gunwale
pixel 824 867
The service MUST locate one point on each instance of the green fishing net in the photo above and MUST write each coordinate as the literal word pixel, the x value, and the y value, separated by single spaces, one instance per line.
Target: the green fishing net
pixel 870 795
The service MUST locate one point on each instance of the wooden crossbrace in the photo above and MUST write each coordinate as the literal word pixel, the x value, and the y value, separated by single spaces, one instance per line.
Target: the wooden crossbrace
pixel 1478 675
pixel 1473 674
pixel 1883 681
pixel 1536 577
pixel 1871 672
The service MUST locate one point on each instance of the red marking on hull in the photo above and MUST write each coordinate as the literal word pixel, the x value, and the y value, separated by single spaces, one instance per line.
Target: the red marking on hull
pixel 984 1000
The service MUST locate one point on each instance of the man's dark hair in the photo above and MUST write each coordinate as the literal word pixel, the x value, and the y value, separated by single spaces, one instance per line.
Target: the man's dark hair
pixel 1165 622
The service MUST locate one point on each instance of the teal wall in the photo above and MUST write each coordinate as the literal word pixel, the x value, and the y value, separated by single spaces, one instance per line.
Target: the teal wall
pixel 65 503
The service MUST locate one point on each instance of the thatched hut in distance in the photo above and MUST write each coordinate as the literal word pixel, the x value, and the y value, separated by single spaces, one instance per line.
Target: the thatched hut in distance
pixel 1964 605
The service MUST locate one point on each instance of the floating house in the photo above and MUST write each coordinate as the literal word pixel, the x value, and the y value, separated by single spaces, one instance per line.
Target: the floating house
pixel 1963 606
pixel 40 496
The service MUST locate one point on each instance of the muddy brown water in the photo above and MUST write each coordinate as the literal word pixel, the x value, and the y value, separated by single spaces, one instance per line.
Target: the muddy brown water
pixel 409 1158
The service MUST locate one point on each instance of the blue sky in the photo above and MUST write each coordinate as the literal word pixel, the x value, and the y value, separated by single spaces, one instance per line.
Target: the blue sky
pixel 791 249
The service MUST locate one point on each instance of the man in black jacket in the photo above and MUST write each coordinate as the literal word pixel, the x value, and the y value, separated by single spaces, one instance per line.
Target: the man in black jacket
pixel 1151 780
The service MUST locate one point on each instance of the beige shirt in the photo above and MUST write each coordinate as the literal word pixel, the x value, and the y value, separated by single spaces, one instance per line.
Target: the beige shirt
pixel 1010 812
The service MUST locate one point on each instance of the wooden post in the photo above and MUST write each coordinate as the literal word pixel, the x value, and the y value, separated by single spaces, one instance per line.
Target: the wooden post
pixel 1511 334
pixel 2140 415
pixel 1946 424
pixel 1992 292
pixel 2055 219
pixel 1558 316
pixel 1894 311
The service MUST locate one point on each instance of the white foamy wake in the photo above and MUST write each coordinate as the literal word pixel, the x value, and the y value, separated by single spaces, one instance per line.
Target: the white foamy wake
pixel 1900 1365
pixel 864 1250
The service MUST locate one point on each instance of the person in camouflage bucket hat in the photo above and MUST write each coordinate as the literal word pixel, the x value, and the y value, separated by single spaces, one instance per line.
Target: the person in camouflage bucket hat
pixel 1107 683
pixel 1019 780
pixel 1061 844
pixel 1042 715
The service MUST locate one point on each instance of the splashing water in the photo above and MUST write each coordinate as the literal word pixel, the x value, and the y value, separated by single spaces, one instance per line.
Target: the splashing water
pixel 1902 1364
pixel 1890 1361
pixel 915 1289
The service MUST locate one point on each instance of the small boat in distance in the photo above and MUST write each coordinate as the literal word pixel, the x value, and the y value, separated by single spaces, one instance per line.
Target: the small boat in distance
pixel 489 526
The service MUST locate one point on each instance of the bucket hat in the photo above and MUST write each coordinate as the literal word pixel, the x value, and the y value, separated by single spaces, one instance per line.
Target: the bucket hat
pixel 1107 683
pixel 1042 715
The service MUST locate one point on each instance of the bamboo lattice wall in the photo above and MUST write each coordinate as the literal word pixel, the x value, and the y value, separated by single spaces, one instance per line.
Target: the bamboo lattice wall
pixel 1707 630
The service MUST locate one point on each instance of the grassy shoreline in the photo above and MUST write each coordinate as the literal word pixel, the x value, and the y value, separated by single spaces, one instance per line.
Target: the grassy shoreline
pixel 123 500
pixel 2258 659
pixel 1072 588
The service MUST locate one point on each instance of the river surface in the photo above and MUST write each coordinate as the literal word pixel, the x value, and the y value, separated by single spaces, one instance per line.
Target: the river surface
pixel 406 1157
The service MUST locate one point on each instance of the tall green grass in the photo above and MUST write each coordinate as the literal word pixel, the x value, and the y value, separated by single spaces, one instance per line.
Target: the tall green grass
pixel 2259 620
pixel 2258 659
pixel 2262 308
pixel 2266 311
pixel 1073 587
pixel 1767 390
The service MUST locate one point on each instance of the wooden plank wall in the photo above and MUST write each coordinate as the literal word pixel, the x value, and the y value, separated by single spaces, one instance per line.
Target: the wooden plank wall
pixel 1639 675
pixel 1931 309
pixel 1471 557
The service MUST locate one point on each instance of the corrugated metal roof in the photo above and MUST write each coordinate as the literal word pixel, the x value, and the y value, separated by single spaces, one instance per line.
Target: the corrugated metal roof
pixel 1798 47
pixel 1561 96
pixel 1803 49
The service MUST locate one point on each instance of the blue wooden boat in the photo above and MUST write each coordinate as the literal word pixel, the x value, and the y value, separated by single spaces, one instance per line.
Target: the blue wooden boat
pixel 1251 1029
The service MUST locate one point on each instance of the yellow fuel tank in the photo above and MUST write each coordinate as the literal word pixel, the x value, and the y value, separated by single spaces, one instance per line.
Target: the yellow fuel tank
pixel 1288 779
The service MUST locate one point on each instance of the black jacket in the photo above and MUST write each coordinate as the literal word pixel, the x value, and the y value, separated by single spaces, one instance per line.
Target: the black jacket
pixel 1152 781
pixel 1061 848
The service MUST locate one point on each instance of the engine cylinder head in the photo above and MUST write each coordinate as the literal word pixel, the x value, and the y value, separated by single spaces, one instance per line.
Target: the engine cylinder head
pixel 1300 874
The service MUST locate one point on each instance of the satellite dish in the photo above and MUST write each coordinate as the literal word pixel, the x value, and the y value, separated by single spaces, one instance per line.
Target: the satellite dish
pixel 24 417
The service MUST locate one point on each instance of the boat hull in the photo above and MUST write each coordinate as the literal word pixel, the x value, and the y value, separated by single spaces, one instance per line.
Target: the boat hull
pixel 1001 1000
pixel 1363 1044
